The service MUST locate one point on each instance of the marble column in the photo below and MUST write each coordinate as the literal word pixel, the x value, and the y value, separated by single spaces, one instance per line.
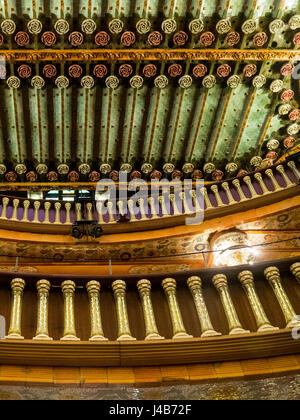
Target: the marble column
pixel 235 326
pixel 195 285
pixel 247 280
pixel 68 288
pixel 169 286
pixel 119 289
pixel 93 288
pixel 144 288
pixel 43 287
pixel 17 287
pixel 272 274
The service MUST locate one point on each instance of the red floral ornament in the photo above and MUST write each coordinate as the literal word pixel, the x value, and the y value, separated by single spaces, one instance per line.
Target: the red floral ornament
pixel 1 39
pixel 49 71
pixel 52 176
pixel 176 174
pixel 296 39
pixel 287 69
pixel 200 70
pixel 76 38
pixel 22 38
pixel 135 175
pixel 223 70
pixel 180 38
pixel 114 175
pixel 156 174
pixel 289 142
pixel 48 38
pixel 294 115
pixel 197 174
pixel 31 176
pixel 175 70
pixel 242 172
pixel 73 176
pixel 94 176
pixel 250 70
pixel 149 70
pixel 232 38
pixel 102 39
pixel 260 39
pixel 128 38
pixel 125 70
pixel 155 39
pixel 24 71
pixel 272 155
pixel 217 175
pixel 100 70
pixel 287 95
pixel 11 176
pixel 207 38
pixel 75 71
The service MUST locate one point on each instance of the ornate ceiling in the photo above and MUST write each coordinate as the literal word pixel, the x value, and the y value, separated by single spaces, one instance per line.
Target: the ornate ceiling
pixel 201 85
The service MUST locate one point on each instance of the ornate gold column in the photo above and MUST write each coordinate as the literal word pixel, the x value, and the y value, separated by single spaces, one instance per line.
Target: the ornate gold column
pixel 247 280
pixel 43 287
pixel 68 288
pixel 272 274
pixel 235 326
pixel 93 287
pixel 179 331
pixel 17 287
pixel 195 285
pixel 295 270
pixel 119 288
pixel 144 288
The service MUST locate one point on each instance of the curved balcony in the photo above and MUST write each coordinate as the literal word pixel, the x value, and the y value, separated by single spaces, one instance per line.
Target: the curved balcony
pixel 215 200
pixel 211 315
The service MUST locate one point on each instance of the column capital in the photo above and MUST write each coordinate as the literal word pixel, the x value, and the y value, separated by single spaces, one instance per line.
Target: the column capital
pixel 43 285
pixel 37 205
pixel 246 277
pixel 214 188
pixel 17 285
pixel 68 286
pixel 169 285
pixel 219 281
pixel 236 182
pixel 272 273
pixel 47 205
pixel 295 270
pixel 194 283
pixel 118 286
pixel 258 175
pixel 26 204
pixel 93 286
pixel 291 164
pixel 144 286
pixel 68 206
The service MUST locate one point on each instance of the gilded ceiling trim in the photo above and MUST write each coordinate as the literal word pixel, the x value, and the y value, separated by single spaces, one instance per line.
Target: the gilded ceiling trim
pixel 154 55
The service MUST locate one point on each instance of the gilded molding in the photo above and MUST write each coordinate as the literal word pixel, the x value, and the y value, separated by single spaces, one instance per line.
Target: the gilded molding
pixel 153 54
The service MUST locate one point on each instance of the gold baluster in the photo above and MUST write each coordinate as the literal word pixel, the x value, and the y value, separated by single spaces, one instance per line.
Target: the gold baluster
pixel 120 205
pixel 270 174
pixel 26 205
pixel 78 212
pixel 68 288
pixel 215 190
pixel 110 208
pixel 142 209
pixel 37 206
pixel 47 206
pixel 247 280
pixel 206 199
pixel 263 186
pixel 174 204
pixel 295 270
pixel 93 288
pixel 248 181
pixel 185 204
pixel 144 288
pixel 100 212
pixel 162 202
pixel 17 287
pixel 281 170
pixel 68 215
pixel 237 185
pixel 235 326
pixel 89 208
pixel 43 287
pixel 131 210
pixel 151 202
pixel 272 274
pixel 5 202
pixel 16 203
pixel 119 289
pixel 169 286
pixel 226 188
pixel 195 285
pixel 293 167
pixel 57 213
